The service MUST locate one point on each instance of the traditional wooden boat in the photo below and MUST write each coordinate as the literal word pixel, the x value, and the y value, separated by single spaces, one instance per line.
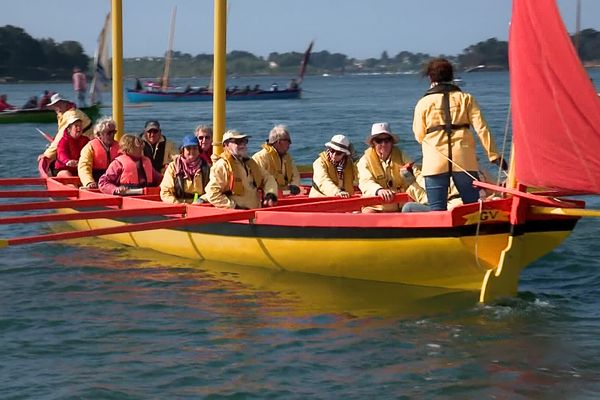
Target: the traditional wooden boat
pixel 153 93
pixel 35 115
pixel 479 247
pixel 139 96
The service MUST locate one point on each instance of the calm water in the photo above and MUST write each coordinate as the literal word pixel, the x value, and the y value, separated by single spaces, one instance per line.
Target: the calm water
pixel 92 319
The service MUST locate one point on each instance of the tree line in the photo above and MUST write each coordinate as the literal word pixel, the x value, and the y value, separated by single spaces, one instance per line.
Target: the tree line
pixel 23 57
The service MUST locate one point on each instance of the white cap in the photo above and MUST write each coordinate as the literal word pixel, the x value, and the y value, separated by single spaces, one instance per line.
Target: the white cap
pixel 233 134
pixel 340 143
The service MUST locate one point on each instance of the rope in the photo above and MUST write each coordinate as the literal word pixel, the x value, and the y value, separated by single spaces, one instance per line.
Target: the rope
pixel 453 163
pixel 477 235
pixel 504 142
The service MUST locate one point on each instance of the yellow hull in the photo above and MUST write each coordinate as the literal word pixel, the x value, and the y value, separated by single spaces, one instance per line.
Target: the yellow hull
pixel 460 263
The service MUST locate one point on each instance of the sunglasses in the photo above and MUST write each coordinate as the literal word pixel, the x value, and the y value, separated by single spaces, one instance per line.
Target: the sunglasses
pixel 152 131
pixel 239 141
pixel 112 132
pixel 338 153
pixel 382 140
pixel 200 138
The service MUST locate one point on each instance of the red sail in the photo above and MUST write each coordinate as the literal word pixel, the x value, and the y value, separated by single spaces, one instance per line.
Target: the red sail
pixel 556 112
pixel 304 62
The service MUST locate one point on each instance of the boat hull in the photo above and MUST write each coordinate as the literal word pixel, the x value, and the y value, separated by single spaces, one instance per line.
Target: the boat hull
pixel 41 116
pixel 445 250
pixel 139 96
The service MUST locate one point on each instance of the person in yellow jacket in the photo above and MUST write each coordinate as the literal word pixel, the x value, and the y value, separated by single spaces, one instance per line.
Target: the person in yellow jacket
pixel 236 178
pixel 385 170
pixel 441 123
pixel 275 158
pixel 65 110
pixel 98 153
pixel 333 171
pixel 185 176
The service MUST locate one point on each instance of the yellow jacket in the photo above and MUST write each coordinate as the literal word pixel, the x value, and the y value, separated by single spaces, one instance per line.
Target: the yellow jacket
pixel 228 171
pixel 62 119
pixel 463 110
pixel 374 174
pixel 167 186
pixel 326 180
pixel 283 170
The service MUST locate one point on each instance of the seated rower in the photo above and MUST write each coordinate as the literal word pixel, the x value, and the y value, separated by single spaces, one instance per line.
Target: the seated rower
pixel 69 147
pixel 334 172
pixel 276 159
pixel 186 175
pixel 98 153
pixel 130 170
pixel 383 170
pixel 236 178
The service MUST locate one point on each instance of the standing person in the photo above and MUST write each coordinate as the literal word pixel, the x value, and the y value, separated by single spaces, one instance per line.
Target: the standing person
pixel 204 134
pixel 276 159
pixel 442 121
pixel 236 178
pixel 64 111
pixel 186 175
pixel 333 172
pixel 156 146
pixel 69 148
pixel 130 170
pixel 4 103
pixel 98 153
pixel 80 86
pixel 385 170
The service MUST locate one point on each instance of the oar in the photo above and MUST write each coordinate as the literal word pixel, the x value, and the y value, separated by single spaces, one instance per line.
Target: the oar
pixel 120 213
pixel 234 215
pixel 338 204
pixel 5 194
pixel 45 135
pixel 575 212
pixel 36 181
pixel 514 192
pixel 76 203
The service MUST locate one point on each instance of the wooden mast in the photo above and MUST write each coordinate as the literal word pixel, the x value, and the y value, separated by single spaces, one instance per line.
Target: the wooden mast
pixel 219 68
pixel 169 55
pixel 117 66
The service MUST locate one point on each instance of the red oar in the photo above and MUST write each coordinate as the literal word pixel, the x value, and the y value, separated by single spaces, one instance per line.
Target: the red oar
pixel 38 193
pixel 77 203
pixel 45 135
pixel 233 215
pixel 132 212
pixel 338 204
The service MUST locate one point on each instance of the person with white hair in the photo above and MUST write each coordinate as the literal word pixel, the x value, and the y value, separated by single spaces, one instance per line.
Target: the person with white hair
pixel 385 170
pixel 98 153
pixel 235 178
pixel 333 171
pixel 276 159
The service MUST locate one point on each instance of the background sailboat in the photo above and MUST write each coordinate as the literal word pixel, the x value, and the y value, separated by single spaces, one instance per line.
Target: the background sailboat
pixel 101 80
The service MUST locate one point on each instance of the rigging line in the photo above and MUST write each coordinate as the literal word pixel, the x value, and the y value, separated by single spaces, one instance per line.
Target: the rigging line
pixel 504 143
pixel 453 163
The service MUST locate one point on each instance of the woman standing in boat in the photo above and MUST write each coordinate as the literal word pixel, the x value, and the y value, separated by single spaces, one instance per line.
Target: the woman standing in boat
pixel 441 123
pixel 186 175
pixel 98 153
pixel 130 170
pixel 385 170
pixel 69 147
pixel 333 172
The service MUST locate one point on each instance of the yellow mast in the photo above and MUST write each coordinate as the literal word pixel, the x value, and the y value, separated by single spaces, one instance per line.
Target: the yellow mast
pixel 220 51
pixel 117 66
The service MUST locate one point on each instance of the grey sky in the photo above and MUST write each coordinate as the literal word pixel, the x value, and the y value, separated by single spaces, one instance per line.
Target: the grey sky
pixel 357 28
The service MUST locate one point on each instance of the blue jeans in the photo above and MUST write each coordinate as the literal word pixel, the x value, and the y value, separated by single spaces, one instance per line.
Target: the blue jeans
pixel 437 189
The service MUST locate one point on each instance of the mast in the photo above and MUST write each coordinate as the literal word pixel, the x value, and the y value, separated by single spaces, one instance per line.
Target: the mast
pixel 219 67
pixel 304 62
pixel 169 55
pixel 577 26
pixel 117 66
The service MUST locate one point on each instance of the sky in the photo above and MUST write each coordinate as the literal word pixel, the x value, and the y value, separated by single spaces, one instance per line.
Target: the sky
pixel 357 28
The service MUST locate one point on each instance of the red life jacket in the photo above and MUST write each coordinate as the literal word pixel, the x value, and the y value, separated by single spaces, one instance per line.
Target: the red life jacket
pixel 102 158
pixel 129 176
